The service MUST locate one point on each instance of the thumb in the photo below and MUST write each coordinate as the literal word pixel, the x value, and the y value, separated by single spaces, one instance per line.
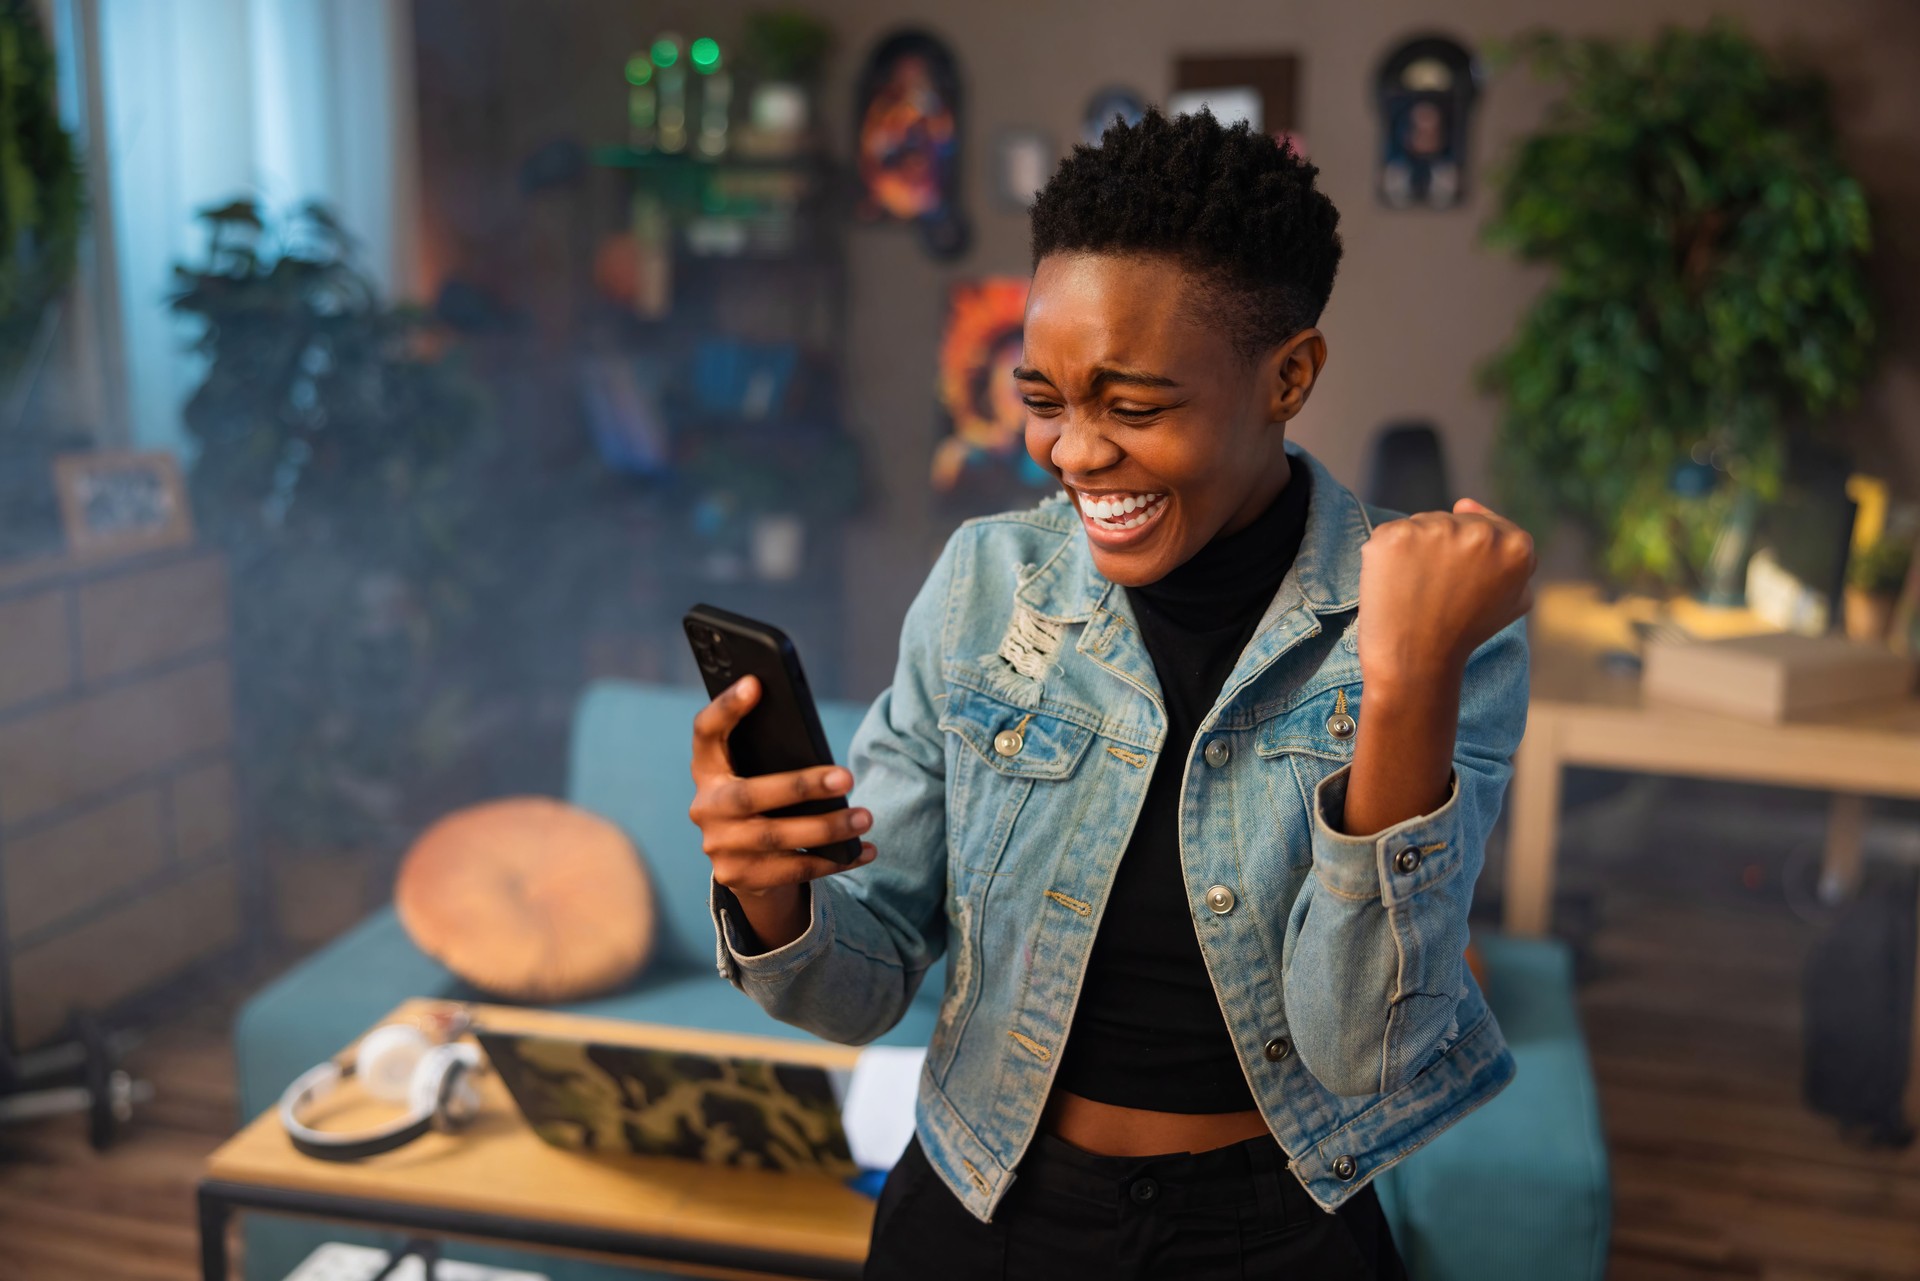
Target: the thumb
pixel 1469 507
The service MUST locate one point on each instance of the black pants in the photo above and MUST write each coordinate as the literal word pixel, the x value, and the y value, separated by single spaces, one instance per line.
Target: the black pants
pixel 1235 1212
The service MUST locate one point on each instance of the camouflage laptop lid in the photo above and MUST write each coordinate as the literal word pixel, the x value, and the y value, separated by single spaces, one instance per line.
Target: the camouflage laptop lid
pixel 719 1109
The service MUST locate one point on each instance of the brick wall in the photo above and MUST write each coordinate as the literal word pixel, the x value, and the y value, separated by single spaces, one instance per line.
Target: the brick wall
pixel 119 863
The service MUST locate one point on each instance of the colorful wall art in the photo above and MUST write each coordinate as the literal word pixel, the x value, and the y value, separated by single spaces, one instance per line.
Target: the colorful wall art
pixel 981 445
pixel 907 140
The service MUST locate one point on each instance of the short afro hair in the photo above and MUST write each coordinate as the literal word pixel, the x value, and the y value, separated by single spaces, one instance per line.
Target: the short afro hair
pixel 1230 204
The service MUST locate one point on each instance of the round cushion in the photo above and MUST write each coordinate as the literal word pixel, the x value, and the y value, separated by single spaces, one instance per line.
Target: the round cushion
pixel 528 898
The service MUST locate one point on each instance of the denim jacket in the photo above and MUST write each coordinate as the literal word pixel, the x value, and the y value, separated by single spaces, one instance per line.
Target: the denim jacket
pixel 1005 768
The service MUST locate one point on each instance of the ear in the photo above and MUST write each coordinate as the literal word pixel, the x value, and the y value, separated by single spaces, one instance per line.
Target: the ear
pixel 1290 370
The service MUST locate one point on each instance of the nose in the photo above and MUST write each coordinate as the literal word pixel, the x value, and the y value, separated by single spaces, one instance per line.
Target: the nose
pixel 1082 448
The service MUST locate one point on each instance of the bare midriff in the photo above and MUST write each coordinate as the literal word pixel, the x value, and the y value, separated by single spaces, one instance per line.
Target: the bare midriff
pixel 1110 1130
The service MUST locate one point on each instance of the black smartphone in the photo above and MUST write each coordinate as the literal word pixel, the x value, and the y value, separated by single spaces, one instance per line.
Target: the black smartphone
pixel 782 732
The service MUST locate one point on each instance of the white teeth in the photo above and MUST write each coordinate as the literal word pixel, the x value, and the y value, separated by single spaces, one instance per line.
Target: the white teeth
pixel 1112 510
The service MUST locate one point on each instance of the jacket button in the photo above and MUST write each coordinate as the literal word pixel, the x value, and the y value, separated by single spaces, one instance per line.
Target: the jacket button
pixel 1278 1048
pixel 1344 1168
pixel 1340 725
pixel 1008 742
pixel 1217 753
pixel 1407 861
pixel 1220 899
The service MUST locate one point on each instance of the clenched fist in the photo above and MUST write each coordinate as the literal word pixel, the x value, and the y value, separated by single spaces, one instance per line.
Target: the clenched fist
pixel 1434 586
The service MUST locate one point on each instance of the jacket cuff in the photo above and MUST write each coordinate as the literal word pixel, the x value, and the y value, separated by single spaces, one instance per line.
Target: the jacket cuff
pixel 1393 865
pixel 730 932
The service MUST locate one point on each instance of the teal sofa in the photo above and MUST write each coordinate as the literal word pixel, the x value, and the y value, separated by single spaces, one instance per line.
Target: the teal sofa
pixel 1517 1192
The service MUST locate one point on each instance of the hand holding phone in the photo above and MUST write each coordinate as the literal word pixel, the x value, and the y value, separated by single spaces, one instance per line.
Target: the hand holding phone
pixel 769 801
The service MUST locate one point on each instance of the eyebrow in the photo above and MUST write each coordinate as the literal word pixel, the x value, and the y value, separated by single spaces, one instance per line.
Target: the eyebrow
pixel 1103 375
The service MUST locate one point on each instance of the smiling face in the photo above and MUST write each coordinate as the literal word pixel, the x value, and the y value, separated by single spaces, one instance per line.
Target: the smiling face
pixel 1162 433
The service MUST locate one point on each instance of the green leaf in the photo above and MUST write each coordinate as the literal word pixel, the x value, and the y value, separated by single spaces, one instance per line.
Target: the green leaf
pixel 1710 284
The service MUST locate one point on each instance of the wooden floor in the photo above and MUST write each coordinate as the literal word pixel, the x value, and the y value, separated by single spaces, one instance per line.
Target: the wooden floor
pixel 70 1214
pixel 1691 1000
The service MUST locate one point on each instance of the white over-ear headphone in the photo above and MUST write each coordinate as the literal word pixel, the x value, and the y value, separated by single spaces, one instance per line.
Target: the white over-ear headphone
pixel 401 1063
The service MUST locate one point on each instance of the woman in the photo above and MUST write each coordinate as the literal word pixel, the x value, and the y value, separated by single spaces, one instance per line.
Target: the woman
pixel 1187 771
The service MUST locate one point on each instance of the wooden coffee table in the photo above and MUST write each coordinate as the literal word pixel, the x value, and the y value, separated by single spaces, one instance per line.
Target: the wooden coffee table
pixel 1582 713
pixel 497 1182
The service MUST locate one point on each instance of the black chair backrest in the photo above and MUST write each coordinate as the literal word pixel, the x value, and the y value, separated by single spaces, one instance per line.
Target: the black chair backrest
pixel 1408 471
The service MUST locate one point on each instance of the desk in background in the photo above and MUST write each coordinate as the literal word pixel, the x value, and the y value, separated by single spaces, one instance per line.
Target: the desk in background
pixel 1585 713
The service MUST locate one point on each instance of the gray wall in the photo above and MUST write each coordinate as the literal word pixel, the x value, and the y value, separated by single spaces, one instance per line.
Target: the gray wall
pixel 1418 304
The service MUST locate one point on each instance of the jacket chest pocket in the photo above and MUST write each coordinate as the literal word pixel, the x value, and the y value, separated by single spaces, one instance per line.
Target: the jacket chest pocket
pixel 1011 741
pixel 999 754
pixel 1315 736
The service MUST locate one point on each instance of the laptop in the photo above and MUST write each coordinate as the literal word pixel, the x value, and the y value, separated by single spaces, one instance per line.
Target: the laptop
pixel 742 1110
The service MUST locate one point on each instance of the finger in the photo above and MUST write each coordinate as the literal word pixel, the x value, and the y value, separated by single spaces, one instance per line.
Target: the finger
pixel 1473 507
pixel 746 797
pixel 791 869
pixel 779 835
pixel 712 724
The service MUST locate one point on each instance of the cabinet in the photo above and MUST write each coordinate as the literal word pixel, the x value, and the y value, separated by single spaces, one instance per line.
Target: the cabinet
pixel 120 852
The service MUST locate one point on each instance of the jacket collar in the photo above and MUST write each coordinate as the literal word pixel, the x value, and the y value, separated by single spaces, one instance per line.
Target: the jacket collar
pixel 1068 588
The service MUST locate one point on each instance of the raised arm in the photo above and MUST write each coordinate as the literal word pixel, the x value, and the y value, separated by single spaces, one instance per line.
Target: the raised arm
pixel 1375 945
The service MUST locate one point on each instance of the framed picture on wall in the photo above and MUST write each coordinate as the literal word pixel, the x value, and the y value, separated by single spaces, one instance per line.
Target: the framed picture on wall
pixel 117 502
pixel 1022 163
pixel 1259 88
pixel 1229 104
pixel 907 134
pixel 1115 102
pixel 1425 91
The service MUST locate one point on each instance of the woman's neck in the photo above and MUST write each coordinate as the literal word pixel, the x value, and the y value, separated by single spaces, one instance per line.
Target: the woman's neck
pixel 1261 499
pixel 1239 568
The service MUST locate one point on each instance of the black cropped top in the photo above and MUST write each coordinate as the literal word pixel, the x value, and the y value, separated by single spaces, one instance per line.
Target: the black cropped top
pixel 1148 1031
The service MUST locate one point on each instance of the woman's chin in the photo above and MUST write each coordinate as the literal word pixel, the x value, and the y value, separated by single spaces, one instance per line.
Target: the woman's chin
pixel 1132 566
pixel 1134 557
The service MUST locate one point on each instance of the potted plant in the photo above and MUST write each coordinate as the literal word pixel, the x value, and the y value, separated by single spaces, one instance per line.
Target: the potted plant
pixel 42 199
pixel 42 206
pixel 784 50
pixel 1709 293
pixel 1875 576
pixel 335 448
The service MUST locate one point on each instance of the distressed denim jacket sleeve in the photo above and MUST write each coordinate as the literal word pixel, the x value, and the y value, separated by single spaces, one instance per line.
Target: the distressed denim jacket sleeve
pixel 874 930
pixel 1376 941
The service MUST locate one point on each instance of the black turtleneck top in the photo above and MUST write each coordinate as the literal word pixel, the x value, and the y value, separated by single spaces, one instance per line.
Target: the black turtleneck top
pixel 1148 1031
